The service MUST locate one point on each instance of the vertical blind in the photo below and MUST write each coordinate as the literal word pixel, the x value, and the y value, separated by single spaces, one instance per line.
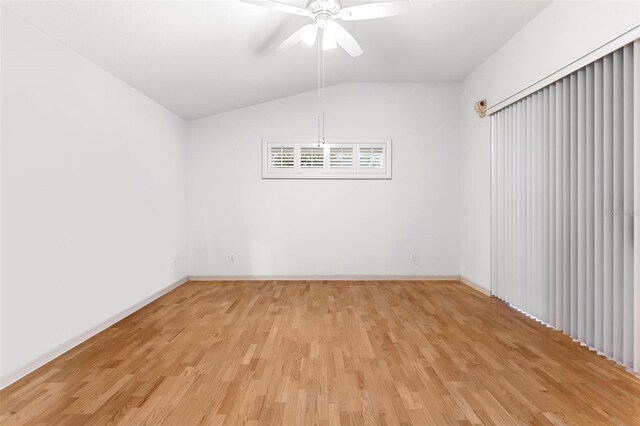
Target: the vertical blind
pixel 563 205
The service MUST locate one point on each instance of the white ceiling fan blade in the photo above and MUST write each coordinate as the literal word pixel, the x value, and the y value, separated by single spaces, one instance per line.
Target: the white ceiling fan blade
pixel 343 38
pixel 279 6
pixel 308 34
pixel 374 10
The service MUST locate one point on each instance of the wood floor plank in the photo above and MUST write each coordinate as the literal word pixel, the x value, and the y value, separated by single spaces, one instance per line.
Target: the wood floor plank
pixel 325 353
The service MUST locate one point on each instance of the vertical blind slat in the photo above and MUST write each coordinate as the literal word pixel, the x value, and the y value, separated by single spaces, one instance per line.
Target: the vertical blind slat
pixel 552 207
pixel 607 250
pixel 636 204
pixel 522 213
pixel 589 205
pixel 598 208
pixel 618 205
pixel 494 197
pixel 628 293
pixel 533 206
pixel 540 209
pixel 566 237
pixel 500 209
pixel 559 208
pixel 544 302
pixel 509 196
pixel 515 173
pixel 573 213
pixel 581 205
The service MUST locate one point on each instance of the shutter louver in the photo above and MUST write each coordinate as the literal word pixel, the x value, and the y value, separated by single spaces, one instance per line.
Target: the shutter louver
pixel 281 157
pixel 311 157
pixel 371 157
pixel 341 157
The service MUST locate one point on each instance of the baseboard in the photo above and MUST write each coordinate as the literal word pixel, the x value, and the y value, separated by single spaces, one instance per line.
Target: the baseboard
pixel 13 376
pixel 475 286
pixel 324 277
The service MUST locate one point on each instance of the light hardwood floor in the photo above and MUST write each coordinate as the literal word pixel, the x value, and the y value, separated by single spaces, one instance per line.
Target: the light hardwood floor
pixel 296 353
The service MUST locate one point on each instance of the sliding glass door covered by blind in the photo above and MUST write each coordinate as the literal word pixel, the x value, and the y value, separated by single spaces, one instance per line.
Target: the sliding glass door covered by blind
pixel 563 205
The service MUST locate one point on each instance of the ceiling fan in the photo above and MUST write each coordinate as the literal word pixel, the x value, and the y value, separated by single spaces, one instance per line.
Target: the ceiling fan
pixel 324 13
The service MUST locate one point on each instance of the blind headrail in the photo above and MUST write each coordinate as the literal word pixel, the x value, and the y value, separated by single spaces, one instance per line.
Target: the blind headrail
pixel 617 42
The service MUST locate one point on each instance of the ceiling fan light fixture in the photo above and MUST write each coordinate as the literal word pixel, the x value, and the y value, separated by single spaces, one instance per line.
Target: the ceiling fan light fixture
pixel 329 42
pixel 329 36
pixel 309 35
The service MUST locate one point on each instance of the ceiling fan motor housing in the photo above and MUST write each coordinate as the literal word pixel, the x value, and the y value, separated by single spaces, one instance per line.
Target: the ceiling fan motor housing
pixel 331 7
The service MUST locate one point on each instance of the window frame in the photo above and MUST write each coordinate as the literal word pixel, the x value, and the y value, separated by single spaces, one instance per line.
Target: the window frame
pixel 326 172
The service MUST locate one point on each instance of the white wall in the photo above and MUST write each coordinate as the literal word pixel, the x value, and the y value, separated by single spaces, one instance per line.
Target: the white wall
pixel 93 195
pixel 329 227
pixel 560 34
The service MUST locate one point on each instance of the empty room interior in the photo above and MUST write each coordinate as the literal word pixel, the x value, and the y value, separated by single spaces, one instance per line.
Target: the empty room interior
pixel 320 212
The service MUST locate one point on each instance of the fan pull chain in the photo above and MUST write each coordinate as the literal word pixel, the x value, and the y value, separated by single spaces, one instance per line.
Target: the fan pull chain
pixel 321 87
pixel 319 59
pixel 323 74
pixel 318 109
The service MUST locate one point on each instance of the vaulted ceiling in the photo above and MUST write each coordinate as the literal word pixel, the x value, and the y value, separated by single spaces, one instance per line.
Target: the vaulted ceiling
pixel 203 57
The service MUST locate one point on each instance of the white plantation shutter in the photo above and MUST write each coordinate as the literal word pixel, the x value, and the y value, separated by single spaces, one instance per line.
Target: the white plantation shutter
pixel 312 157
pixel 281 157
pixel 371 157
pixel 329 160
pixel 341 158
pixel 563 205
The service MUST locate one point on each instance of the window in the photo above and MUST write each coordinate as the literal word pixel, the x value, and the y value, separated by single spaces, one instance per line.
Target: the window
pixel 331 160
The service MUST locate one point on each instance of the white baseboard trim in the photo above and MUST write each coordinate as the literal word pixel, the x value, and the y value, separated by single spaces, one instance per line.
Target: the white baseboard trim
pixel 13 376
pixel 324 277
pixel 474 285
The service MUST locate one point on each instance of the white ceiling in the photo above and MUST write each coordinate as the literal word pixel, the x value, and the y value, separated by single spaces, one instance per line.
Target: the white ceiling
pixel 203 57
